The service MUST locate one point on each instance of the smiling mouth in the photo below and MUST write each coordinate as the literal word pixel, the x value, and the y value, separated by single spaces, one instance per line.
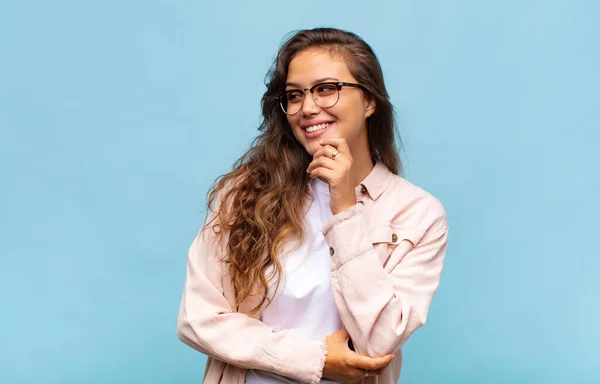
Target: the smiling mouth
pixel 318 127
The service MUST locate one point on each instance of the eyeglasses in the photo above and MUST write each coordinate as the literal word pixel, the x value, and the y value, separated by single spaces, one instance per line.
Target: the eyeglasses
pixel 325 95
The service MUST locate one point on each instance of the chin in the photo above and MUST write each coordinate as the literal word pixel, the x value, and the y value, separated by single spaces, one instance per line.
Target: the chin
pixel 310 151
pixel 312 148
pixel 309 146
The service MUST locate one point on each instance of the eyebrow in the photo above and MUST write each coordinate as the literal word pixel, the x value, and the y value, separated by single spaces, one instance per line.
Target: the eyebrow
pixel 323 79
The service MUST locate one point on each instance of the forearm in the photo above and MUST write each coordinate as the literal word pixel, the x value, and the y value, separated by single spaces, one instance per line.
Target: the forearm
pixel 208 323
pixel 378 320
pixel 380 309
pixel 240 340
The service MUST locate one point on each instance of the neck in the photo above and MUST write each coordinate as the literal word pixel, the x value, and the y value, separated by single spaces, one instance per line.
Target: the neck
pixel 362 165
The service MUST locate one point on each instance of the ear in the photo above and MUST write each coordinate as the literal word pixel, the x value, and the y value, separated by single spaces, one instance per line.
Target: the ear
pixel 370 105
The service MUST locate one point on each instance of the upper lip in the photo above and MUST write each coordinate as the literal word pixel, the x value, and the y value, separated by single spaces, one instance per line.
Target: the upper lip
pixel 313 122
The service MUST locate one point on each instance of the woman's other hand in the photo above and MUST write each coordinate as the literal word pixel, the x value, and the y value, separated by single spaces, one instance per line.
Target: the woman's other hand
pixel 342 364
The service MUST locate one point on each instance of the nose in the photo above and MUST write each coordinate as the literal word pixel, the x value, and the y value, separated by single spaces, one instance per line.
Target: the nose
pixel 309 107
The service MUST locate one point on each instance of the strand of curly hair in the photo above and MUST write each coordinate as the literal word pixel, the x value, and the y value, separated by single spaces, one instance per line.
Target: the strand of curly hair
pixel 258 205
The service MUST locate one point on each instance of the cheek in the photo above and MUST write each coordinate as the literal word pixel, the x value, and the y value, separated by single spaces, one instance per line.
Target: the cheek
pixel 296 130
pixel 293 123
pixel 350 119
pixel 351 111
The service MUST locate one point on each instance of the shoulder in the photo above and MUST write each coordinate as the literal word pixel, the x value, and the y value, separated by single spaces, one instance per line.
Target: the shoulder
pixel 412 207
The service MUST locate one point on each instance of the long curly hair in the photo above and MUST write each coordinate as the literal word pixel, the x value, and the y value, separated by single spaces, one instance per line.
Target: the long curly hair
pixel 258 205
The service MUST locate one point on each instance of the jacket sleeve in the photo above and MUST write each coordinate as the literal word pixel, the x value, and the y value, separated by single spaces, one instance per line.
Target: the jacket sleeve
pixel 208 323
pixel 382 306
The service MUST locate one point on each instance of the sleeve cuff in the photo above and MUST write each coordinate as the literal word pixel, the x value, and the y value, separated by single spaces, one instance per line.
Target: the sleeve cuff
pixel 347 236
pixel 303 360
pixel 352 211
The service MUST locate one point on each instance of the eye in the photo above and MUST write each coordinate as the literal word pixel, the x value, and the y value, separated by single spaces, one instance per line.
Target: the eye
pixel 326 89
pixel 293 96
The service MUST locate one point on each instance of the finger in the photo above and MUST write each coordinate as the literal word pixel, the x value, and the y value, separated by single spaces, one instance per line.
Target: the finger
pixel 324 162
pixel 340 143
pixel 370 363
pixel 333 141
pixel 344 156
pixel 324 174
pixel 383 362
pixel 326 150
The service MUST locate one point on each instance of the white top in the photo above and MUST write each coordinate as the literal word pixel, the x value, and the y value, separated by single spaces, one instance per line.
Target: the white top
pixel 304 301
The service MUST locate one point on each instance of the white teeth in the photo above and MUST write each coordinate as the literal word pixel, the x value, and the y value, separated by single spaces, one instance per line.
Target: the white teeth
pixel 318 127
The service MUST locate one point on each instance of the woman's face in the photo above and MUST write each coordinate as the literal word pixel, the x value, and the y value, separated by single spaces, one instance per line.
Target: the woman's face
pixel 346 119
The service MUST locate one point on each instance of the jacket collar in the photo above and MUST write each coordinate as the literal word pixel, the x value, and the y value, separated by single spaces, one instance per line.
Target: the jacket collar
pixel 376 181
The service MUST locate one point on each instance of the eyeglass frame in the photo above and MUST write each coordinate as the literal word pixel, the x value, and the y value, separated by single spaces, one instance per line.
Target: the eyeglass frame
pixel 338 85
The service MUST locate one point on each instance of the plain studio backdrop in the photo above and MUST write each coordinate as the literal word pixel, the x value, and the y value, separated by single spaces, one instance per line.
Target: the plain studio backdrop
pixel 116 116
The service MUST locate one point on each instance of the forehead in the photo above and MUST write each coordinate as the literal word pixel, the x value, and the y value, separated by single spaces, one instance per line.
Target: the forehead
pixel 313 64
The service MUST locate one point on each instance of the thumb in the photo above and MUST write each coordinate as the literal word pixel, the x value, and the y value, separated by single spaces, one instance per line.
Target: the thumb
pixel 371 363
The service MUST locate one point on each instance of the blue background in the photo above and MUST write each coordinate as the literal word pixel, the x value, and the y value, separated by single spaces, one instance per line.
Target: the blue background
pixel 116 116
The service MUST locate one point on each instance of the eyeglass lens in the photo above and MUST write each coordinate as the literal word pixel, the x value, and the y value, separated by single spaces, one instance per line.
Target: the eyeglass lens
pixel 324 95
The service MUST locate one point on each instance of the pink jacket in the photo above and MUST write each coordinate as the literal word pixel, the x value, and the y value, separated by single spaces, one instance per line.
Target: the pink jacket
pixel 387 254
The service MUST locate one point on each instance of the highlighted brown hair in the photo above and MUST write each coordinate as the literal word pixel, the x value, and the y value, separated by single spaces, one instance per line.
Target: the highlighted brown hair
pixel 260 200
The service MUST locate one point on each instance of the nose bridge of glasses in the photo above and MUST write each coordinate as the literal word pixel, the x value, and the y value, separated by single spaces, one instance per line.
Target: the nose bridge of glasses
pixel 314 97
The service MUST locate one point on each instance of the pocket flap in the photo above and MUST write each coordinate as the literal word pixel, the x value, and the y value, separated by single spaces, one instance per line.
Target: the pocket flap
pixel 387 234
pixel 381 234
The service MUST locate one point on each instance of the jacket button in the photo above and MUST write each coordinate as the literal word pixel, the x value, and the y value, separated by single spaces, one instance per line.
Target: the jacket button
pixel 394 237
pixel 361 202
pixel 331 251
pixel 363 189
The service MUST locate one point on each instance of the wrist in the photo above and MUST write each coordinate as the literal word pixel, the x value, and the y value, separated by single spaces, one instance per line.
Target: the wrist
pixel 343 207
pixel 341 210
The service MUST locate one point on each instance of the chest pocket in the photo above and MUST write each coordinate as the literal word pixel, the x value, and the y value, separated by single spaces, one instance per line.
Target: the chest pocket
pixel 386 239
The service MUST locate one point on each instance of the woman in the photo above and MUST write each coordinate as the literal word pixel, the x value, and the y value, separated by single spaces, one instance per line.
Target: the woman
pixel 318 261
